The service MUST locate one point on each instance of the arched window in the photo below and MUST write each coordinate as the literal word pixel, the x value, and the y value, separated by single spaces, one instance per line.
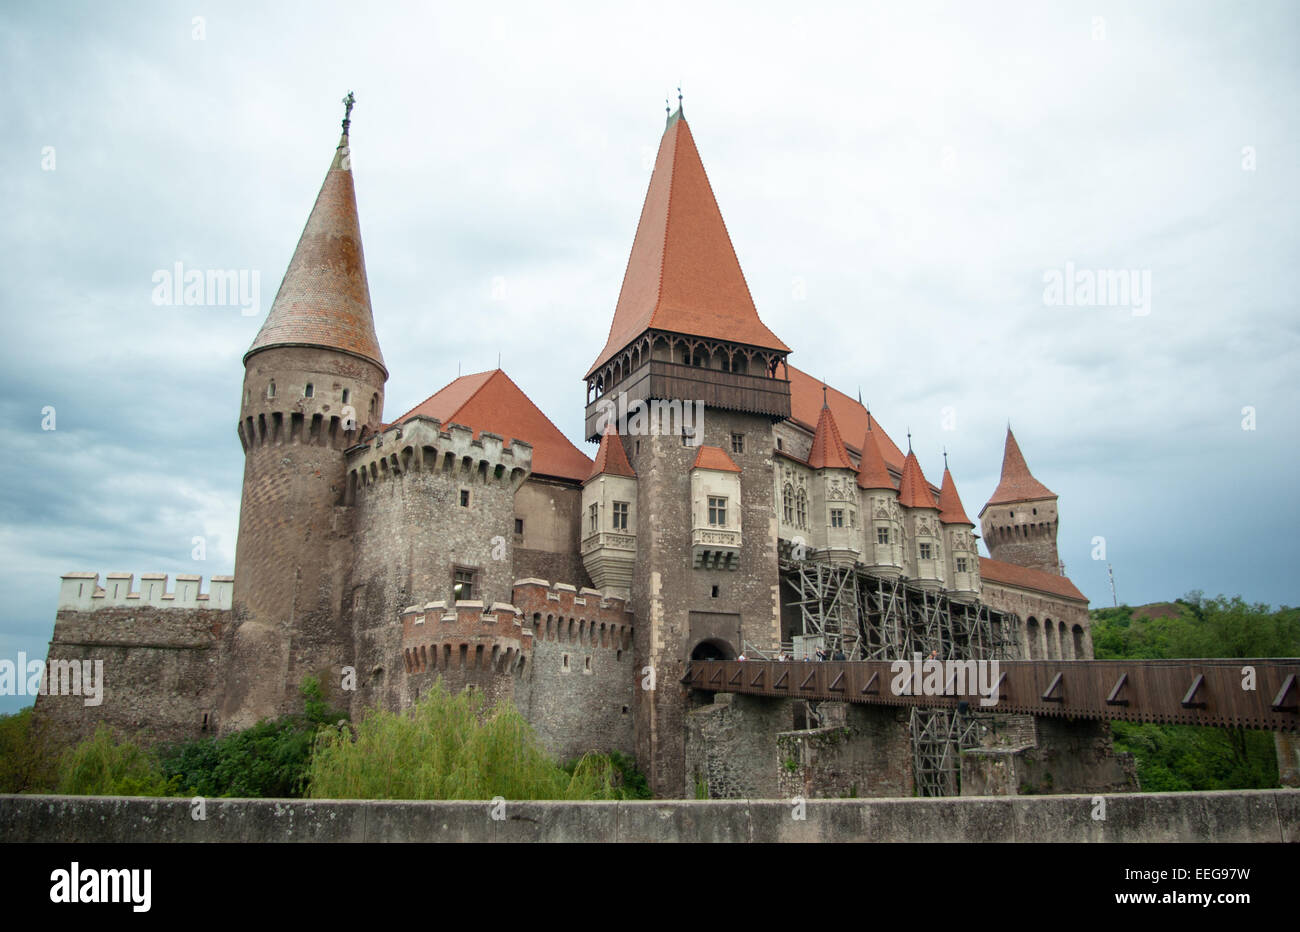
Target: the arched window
pixel 1077 631
pixel 787 503
pixel 270 389
pixel 801 509
pixel 1032 641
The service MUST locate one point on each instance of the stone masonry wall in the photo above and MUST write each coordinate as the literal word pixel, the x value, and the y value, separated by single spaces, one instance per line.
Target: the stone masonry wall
pixel 413 531
pixel 666 590
pixel 162 674
pixel 861 751
pixel 1043 608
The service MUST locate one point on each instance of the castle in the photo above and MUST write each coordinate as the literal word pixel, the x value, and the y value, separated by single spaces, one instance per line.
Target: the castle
pixel 469 539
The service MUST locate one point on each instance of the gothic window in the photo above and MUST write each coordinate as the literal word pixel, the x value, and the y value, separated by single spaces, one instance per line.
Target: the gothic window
pixel 925 551
pixel 837 517
pixel 801 509
pixel 620 516
pixel 787 503
pixel 717 511
pixel 882 535
pixel 270 390
pixel 961 564
pixel 594 513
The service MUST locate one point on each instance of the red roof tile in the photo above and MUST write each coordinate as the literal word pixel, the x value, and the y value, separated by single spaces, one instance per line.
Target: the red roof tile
pixel 872 472
pixel 950 507
pixel 913 490
pixel 683 275
pixel 1022 577
pixel 611 458
pixel 491 401
pixel 324 299
pixel 827 448
pixel 1017 484
pixel 714 458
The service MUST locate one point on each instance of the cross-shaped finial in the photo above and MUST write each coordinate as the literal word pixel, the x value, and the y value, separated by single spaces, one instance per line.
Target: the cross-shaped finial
pixel 348 103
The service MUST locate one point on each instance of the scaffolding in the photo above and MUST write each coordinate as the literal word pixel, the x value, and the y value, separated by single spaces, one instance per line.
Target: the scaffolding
pixel 865 616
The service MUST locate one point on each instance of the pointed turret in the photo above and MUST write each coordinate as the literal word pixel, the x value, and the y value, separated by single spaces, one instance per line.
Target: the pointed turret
pixel 913 490
pixel 1019 522
pixel 828 450
pixel 872 471
pixel 1018 484
pixel 962 552
pixel 324 299
pixel 950 507
pixel 685 303
pixel 611 458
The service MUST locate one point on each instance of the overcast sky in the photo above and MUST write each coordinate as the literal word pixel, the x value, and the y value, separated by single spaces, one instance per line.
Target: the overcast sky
pixel 898 181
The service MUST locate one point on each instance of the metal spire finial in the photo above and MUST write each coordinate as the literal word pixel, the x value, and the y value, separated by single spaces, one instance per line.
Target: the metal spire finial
pixel 825 403
pixel 909 440
pixel 348 103
pixel 945 458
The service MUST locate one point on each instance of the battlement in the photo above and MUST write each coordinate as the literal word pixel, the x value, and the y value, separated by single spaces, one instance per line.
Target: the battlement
pixel 562 612
pixel 422 445
pixel 463 635
pixel 278 428
pixel 81 592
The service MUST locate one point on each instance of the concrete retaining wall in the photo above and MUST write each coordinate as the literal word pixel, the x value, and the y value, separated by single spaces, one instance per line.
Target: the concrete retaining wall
pixel 1229 816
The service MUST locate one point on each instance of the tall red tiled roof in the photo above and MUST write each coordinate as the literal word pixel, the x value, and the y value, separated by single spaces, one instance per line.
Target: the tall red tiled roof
pixel 1022 577
pixel 611 458
pixel 950 507
pixel 683 275
pixel 324 299
pixel 1017 484
pixel 913 490
pixel 827 448
pixel 872 472
pixel 491 401
pixel 714 458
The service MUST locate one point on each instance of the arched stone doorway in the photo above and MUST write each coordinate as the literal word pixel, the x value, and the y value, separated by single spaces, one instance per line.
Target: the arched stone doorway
pixel 713 649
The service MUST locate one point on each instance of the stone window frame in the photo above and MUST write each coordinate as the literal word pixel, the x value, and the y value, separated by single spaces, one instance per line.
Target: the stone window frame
pixel 475 574
pixel 801 509
pixel 593 514
pixel 465 498
pixel 924 550
pixel 837 517
pixel 717 507
pixel 620 515
pixel 519 527
pixel 962 565
pixel 737 443
pixel 882 536
pixel 787 503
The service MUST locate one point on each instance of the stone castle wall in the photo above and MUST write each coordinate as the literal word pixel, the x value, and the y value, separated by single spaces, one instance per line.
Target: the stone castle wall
pixel 1039 610
pixel 413 532
pixel 160 652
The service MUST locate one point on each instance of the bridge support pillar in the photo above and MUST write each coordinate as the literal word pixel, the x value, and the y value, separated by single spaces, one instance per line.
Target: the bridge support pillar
pixel 1025 756
pixel 1288 757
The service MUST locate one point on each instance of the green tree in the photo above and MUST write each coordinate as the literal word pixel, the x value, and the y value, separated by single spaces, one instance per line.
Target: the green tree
pixel 27 764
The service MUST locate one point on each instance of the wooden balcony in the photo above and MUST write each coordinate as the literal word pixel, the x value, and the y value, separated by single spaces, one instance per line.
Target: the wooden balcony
pixel 668 381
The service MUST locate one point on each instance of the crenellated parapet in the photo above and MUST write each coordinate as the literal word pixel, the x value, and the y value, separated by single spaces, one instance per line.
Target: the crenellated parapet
pixel 81 592
pixel 298 427
pixel 562 612
pixel 465 636
pixel 421 445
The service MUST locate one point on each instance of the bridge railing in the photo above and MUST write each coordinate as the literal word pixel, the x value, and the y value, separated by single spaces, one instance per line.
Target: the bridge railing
pixel 1251 693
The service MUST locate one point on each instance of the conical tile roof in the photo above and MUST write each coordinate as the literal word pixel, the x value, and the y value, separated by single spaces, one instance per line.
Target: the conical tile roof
pixel 827 446
pixel 913 490
pixel 683 275
pixel 1017 484
pixel 950 507
pixel 324 299
pixel 611 458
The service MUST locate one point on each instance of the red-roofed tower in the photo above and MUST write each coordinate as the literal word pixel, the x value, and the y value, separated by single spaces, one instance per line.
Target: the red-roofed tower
pixel 960 549
pixel 1020 520
pixel 313 383
pixel 686 344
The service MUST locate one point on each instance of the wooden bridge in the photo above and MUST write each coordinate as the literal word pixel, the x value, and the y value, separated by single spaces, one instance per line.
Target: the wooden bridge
pixel 1259 693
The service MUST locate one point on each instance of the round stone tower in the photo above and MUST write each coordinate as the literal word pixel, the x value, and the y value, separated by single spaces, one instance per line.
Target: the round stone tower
pixel 313 386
